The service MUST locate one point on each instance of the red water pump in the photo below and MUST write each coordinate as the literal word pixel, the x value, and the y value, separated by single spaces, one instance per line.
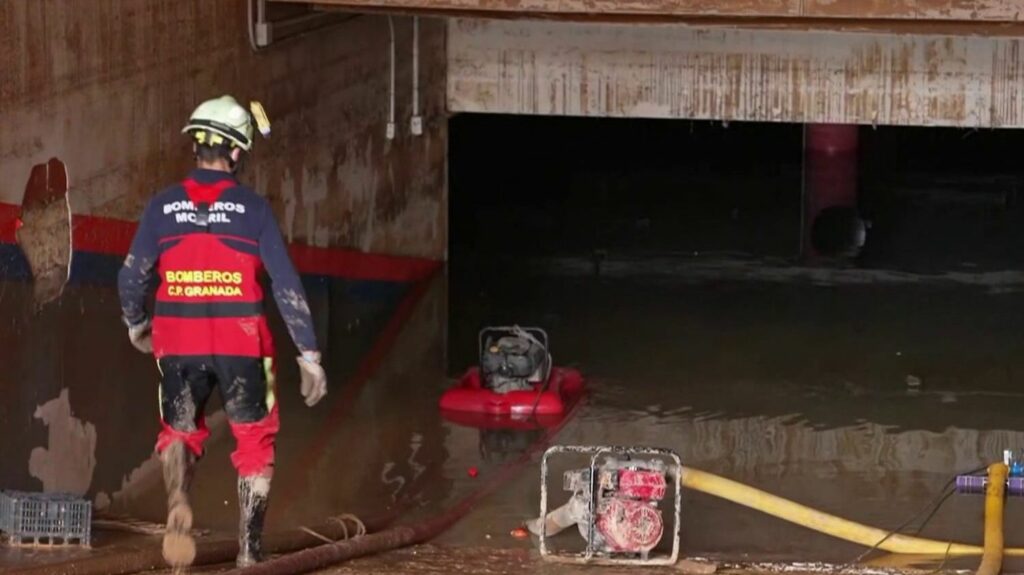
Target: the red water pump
pixel 626 516
pixel 615 502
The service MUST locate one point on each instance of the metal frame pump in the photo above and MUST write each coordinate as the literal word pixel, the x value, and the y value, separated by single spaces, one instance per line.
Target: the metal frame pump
pixel 1002 479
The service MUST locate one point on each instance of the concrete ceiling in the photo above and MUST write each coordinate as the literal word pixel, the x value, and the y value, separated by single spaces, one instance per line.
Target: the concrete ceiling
pixel 964 11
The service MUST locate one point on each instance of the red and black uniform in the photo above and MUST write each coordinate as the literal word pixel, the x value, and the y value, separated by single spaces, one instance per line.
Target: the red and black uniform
pixel 204 243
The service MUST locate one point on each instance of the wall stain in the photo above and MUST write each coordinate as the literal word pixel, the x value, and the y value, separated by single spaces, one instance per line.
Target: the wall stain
pixel 66 464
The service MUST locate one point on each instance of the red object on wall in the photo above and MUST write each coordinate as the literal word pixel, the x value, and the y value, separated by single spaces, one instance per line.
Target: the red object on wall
pixel 9 222
pixel 830 160
pixel 102 235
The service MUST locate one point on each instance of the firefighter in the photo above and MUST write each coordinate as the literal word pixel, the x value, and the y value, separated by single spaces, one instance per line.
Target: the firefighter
pixel 202 244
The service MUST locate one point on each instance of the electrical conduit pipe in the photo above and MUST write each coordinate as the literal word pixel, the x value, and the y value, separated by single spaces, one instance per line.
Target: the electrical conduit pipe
pixel 843 528
pixel 995 495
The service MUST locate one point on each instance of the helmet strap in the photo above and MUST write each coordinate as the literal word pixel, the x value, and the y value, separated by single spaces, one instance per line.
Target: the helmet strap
pixel 235 160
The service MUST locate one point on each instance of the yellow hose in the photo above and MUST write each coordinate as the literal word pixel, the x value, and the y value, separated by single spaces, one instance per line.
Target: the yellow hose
pixel 995 493
pixel 825 523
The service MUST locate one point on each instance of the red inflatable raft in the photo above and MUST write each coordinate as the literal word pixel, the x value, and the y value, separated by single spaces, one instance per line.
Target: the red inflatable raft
pixel 470 403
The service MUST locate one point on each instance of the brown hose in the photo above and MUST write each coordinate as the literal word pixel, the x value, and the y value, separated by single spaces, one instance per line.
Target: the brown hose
pixel 118 560
pixel 397 537
pixel 393 538
pixel 296 544
pixel 326 555
pixel 146 557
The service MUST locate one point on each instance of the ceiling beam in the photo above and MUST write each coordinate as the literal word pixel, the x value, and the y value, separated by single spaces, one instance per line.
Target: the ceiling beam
pixel 964 11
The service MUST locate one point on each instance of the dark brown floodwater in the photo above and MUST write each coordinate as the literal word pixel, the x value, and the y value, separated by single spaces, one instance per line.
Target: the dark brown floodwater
pixel 791 381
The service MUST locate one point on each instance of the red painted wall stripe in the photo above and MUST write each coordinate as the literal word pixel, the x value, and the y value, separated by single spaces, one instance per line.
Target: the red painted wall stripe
pixel 102 235
pixel 114 237
pixel 9 215
pixel 359 265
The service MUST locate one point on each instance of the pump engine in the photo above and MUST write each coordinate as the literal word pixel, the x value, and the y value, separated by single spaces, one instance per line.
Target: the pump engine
pixel 615 504
pixel 625 518
pixel 513 358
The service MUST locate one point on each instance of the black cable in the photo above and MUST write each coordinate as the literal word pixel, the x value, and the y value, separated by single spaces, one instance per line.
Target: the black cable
pixel 945 558
pixel 932 508
pixel 540 394
pixel 520 332
pixel 936 503
pixel 934 511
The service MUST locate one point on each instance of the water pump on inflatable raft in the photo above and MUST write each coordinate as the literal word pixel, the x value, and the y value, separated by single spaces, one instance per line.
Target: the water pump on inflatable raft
pixel 515 385
pixel 616 503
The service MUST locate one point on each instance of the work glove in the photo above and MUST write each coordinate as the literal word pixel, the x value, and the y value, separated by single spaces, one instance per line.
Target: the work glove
pixel 314 380
pixel 141 335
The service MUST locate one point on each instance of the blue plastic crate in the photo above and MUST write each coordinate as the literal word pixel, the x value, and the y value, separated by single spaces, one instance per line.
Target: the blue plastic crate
pixel 45 518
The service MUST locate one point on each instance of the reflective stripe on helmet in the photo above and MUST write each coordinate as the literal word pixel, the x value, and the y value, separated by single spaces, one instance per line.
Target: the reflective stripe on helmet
pixel 221 121
pixel 236 137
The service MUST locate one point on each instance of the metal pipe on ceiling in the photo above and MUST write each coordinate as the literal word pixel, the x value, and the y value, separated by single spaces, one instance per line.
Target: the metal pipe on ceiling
pixel 263 32
pixel 416 124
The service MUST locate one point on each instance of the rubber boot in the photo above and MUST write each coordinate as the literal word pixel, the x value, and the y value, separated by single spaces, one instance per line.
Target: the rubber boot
pixel 252 508
pixel 179 548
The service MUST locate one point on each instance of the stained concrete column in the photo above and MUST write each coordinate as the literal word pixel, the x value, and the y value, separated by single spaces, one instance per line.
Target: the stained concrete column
pixel 830 176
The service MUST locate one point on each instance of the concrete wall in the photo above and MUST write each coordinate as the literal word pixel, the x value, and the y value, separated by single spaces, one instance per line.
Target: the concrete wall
pixel 105 87
pixel 675 71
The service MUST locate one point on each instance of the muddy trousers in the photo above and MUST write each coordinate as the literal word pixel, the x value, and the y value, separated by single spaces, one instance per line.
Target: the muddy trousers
pixel 246 387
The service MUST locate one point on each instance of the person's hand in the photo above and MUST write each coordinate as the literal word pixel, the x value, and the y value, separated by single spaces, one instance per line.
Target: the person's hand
pixel 314 380
pixel 141 335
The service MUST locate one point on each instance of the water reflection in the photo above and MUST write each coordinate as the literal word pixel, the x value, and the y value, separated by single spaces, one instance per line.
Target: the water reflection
pixel 502 445
pixel 859 398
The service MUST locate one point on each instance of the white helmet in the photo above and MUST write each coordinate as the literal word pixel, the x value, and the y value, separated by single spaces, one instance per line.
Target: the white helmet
pixel 221 121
